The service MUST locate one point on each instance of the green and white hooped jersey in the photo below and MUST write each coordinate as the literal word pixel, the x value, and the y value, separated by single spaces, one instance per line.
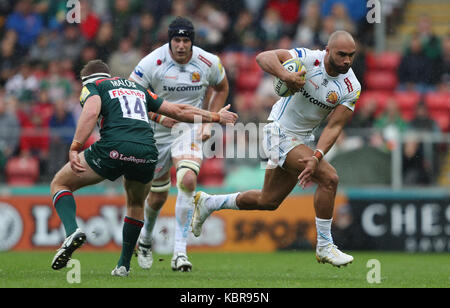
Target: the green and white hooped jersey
pixel 303 111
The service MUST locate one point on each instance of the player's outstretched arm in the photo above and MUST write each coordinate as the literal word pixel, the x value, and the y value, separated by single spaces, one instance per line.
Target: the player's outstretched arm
pixel 188 113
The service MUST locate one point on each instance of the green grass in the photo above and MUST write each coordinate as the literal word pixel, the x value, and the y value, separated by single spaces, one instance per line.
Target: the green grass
pixel 230 270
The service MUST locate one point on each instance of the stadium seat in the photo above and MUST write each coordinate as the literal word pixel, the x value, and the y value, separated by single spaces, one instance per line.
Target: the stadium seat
pixel 212 172
pixel 442 119
pixel 22 171
pixel 381 80
pixel 407 102
pixel 437 101
pixel 385 61
pixel 248 80
pixel 380 97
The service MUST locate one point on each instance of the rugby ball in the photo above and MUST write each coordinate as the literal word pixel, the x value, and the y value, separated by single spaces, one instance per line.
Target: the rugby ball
pixel 279 86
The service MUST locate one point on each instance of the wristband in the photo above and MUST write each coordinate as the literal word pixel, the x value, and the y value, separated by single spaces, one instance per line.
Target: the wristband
pixel 215 117
pixel 318 154
pixel 160 118
pixel 76 146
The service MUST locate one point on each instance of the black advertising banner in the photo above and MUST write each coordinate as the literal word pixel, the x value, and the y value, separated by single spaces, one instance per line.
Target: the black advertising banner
pixel 413 225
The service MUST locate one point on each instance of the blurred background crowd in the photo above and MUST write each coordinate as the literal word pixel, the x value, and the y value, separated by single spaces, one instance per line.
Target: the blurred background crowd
pixel 405 88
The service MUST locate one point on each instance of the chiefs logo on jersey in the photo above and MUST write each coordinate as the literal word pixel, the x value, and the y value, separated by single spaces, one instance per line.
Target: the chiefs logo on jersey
pixel 332 97
pixel 195 77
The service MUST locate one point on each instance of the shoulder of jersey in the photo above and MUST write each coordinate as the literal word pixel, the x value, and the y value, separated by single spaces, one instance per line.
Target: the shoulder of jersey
pixel 204 57
pixel 356 85
pixel 311 58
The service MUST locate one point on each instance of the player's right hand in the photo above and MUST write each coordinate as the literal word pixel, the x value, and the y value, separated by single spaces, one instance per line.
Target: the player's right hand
pixel 75 162
pixel 295 80
pixel 227 116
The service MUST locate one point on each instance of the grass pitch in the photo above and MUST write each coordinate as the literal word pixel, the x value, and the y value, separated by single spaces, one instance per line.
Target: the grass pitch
pixel 230 270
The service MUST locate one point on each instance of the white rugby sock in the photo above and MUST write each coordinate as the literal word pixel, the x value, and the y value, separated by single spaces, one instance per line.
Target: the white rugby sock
pixel 323 227
pixel 149 223
pixel 184 208
pixel 222 202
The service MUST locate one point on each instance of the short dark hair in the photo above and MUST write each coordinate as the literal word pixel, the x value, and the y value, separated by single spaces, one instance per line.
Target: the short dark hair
pixel 94 67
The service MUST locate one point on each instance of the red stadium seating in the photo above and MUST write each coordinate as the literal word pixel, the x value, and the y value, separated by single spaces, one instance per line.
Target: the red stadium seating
pixel 381 80
pixel 22 171
pixel 380 97
pixel 212 172
pixel 442 119
pixel 438 101
pixel 248 80
pixel 407 102
pixel 385 61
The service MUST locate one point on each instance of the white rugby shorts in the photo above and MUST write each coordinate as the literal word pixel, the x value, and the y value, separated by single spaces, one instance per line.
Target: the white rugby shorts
pixel 278 143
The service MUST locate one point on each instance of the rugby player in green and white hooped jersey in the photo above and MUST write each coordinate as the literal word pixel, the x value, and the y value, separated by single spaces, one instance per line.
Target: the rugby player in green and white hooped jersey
pixel 181 73
pixel 126 148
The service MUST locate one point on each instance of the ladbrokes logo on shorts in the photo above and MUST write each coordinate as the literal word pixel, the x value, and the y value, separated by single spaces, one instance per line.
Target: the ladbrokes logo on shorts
pixel 116 155
pixel 11 226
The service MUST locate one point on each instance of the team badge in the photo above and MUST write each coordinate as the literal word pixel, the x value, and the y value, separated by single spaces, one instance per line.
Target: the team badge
pixel 195 77
pixel 114 154
pixel 84 94
pixel 332 97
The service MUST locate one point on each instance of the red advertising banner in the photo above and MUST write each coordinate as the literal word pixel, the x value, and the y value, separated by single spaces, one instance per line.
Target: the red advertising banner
pixel 31 222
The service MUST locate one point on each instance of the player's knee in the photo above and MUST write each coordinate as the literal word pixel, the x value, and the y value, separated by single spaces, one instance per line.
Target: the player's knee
pixel 187 171
pixel 331 181
pixel 189 181
pixel 268 205
pixel 157 200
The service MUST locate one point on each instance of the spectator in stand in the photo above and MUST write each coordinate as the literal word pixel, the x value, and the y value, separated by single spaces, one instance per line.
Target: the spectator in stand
pixel 443 65
pixel 123 13
pixel 9 131
pixel 417 167
pixel 359 62
pixel 210 25
pixel 90 22
pixel 415 70
pixel 271 28
pixel 390 123
pixel 327 28
pixel 8 59
pixel 364 117
pixel 43 50
pixel 62 129
pixel 244 36
pixel 289 12
pixel 431 43
pixel 342 20
pixel 71 42
pixel 124 60
pixel 146 33
pixel 34 121
pixel 178 8
pixel 356 8
pixel 55 84
pixel 104 42
pixel 88 53
pixel 24 84
pixel 26 23
pixel 309 26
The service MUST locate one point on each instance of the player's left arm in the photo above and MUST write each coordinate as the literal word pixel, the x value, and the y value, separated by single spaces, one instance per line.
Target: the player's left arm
pixel 330 133
pixel 85 126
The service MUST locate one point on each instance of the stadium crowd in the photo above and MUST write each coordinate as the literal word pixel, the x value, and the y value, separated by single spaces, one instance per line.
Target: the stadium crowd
pixel 41 55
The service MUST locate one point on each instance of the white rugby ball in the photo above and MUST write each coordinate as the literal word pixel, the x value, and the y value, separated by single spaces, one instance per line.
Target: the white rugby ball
pixel 279 86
